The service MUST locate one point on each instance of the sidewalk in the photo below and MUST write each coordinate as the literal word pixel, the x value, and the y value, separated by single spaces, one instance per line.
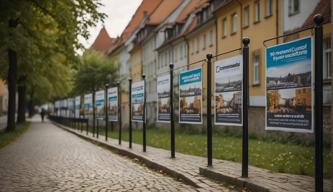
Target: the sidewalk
pixel 193 169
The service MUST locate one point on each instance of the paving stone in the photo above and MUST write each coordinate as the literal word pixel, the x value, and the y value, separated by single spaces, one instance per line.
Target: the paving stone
pixel 47 158
pixel 189 166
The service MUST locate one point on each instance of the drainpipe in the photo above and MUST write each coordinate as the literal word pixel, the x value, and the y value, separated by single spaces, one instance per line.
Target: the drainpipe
pixel 277 20
pixel 216 37
pixel 188 53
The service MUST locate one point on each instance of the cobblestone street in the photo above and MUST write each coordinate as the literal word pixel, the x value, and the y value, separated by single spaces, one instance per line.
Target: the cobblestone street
pixel 47 158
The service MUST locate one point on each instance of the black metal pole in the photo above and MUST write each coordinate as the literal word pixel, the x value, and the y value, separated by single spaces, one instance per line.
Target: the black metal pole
pixel 119 112
pixel 209 111
pixel 97 127
pixel 106 115
pixel 94 113
pixel 318 21
pixel 245 147
pixel 144 115
pixel 130 111
pixel 172 122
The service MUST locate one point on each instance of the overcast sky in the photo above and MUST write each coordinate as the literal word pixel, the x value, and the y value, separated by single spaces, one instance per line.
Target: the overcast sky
pixel 119 13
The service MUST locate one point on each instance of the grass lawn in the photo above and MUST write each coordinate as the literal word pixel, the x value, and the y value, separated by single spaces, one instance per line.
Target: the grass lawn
pixel 7 137
pixel 274 156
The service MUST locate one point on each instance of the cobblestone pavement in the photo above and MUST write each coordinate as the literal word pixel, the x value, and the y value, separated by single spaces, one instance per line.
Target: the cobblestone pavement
pixel 47 158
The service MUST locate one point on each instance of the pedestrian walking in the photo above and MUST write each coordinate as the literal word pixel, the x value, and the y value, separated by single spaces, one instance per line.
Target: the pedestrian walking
pixel 42 114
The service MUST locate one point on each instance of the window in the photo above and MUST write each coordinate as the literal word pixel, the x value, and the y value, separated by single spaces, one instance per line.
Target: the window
pixel 293 7
pixel 246 16
pixel 197 45
pixel 269 8
pixel 257 11
pixel 181 52
pixel 234 22
pixel 176 54
pixel 211 38
pixel 224 27
pixel 204 41
pixel 256 66
pixel 327 58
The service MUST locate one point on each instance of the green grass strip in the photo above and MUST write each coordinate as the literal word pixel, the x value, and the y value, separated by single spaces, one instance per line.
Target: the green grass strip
pixel 8 137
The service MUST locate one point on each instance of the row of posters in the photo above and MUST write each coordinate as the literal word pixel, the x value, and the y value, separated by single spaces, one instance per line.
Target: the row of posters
pixel 289 92
pixel 288 98
pixel 112 96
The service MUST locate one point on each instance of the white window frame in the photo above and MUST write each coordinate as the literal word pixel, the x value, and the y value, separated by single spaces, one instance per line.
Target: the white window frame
pixel 197 42
pixel 269 8
pixel 257 11
pixel 292 8
pixel 211 41
pixel 256 60
pixel 246 16
pixel 234 23
pixel 224 27
pixel 327 58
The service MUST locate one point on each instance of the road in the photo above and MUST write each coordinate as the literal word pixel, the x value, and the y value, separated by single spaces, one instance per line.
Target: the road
pixel 47 158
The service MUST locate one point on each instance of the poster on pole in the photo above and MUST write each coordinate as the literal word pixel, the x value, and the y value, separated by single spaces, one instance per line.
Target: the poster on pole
pixel 56 107
pixel 289 91
pixel 99 104
pixel 163 99
pixel 64 107
pixel 190 96
pixel 88 106
pixel 228 91
pixel 113 104
pixel 70 108
pixel 138 95
pixel 77 106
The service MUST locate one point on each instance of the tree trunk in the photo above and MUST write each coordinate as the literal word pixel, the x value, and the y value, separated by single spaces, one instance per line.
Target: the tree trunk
pixel 31 104
pixel 11 81
pixel 22 100
pixel 11 90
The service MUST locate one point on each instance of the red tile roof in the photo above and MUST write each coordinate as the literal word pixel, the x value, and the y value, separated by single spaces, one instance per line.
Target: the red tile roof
pixel 190 7
pixel 323 8
pixel 164 9
pixel 102 42
pixel 146 7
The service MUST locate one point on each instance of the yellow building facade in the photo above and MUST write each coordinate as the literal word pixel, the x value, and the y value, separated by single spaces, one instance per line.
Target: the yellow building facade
pixel 253 19
pixel 136 64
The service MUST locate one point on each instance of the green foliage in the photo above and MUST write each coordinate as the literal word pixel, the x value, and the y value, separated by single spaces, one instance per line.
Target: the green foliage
pixel 46 40
pixel 95 70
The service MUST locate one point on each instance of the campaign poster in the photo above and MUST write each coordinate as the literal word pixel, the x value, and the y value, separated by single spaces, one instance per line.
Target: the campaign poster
pixel 70 109
pixel 289 93
pixel 228 91
pixel 163 99
pixel 64 108
pixel 88 105
pixel 138 95
pixel 113 104
pixel 99 104
pixel 56 107
pixel 77 106
pixel 190 96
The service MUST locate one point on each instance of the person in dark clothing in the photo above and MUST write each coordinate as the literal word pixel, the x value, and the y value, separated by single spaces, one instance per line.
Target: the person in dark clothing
pixel 42 114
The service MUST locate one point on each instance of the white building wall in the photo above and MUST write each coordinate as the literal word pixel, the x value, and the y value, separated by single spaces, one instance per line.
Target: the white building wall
pixel 291 22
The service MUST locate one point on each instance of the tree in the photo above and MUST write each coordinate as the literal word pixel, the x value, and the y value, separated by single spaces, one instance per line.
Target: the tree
pixel 46 37
pixel 95 70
